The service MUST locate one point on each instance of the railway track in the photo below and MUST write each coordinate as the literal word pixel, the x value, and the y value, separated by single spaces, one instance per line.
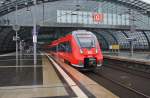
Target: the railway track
pixel 128 87
pixel 117 87
pixel 132 71
pixel 133 66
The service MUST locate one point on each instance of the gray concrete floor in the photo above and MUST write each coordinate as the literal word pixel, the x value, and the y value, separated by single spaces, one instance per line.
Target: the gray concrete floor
pixel 26 80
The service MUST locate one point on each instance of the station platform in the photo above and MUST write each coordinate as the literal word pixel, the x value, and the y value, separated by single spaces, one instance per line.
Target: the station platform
pixel 27 80
pixel 140 57
pixel 45 79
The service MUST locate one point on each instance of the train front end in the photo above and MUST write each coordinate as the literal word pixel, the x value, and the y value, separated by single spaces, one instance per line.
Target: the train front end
pixel 88 53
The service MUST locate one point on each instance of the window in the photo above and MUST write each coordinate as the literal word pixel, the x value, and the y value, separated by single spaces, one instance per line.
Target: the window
pixel 64 47
pixel 61 47
pixel 86 40
pixel 53 48
pixel 68 47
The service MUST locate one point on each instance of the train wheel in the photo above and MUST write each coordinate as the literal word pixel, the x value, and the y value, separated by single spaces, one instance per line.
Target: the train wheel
pixel 67 62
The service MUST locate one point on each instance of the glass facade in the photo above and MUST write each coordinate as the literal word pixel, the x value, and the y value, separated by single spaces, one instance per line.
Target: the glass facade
pixel 148 34
pixel 140 42
pixel 140 39
pixel 102 41
pixel 122 41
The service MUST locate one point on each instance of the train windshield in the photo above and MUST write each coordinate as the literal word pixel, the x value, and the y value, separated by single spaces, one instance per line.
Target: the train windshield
pixel 86 40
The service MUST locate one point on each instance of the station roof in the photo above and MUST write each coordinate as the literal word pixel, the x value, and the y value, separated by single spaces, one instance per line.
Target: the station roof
pixel 140 5
pixel 7 6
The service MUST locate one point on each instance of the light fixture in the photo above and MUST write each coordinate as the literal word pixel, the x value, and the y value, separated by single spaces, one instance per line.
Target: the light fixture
pixel 26 4
pixel 2 2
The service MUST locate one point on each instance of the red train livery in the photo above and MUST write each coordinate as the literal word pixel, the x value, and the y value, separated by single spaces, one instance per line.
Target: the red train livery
pixel 79 48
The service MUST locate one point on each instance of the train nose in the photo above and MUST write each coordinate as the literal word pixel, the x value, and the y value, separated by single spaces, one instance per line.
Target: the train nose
pixel 88 51
pixel 90 62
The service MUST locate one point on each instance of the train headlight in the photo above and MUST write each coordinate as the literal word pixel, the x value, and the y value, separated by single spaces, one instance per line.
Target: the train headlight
pixel 96 51
pixel 81 51
pixel 80 62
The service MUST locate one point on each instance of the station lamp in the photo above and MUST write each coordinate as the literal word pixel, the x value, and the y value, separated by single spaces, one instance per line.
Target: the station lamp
pixel 2 2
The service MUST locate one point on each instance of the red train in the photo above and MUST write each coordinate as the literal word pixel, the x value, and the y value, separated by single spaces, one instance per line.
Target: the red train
pixel 79 48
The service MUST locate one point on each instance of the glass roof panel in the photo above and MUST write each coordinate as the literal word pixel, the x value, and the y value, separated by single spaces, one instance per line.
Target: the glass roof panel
pixel 142 6
pixel 146 1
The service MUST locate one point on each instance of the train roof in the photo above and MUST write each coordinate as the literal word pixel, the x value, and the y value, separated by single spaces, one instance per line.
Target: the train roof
pixel 68 36
pixel 81 32
pixel 62 39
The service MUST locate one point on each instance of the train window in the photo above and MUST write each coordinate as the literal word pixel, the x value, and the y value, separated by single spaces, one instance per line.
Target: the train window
pixel 53 49
pixel 68 47
pixel 64 47
pixel 61 47
pixel 86 41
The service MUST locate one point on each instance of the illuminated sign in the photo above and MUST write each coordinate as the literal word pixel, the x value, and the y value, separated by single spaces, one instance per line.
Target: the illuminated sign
pixel 81 17
pixel 98 17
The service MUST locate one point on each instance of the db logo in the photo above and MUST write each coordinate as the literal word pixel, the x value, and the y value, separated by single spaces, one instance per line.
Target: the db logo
pixel 97 17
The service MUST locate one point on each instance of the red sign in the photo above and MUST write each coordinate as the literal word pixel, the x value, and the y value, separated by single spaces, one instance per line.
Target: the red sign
pixel 97 17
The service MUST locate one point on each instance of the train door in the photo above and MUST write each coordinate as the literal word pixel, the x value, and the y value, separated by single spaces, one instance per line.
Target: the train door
pixel 61 50
pixel 68 52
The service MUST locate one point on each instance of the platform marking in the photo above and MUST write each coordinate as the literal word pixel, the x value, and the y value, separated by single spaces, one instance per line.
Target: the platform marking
pixel 20 66
pixel 18 59
pixel 14 54
pixel 8 54
pixel 31 87
pixel 71 83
